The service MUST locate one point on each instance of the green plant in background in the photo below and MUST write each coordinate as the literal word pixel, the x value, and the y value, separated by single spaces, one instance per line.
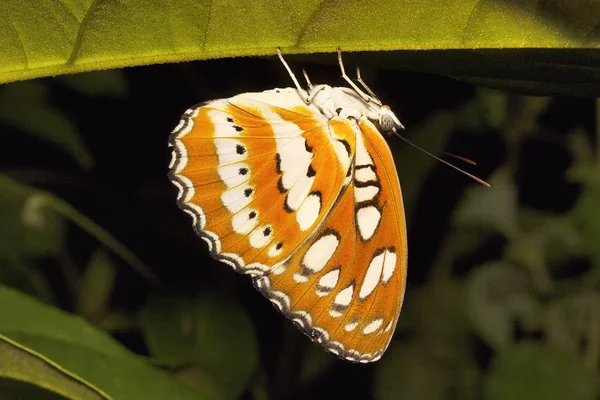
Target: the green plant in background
pixel 205 344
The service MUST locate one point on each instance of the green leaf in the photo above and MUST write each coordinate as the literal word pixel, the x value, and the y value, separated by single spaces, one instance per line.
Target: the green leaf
pixel 12 389
pixel 587 214
pixel 573 323
pixel 76 346
pixel 436 307
pixel 493 208
pixel 24 106
pixel 409 370
pixel 41 204
pixel 498 295
pixel 69 36
pixel 429 367
pixel 29 232
pixel 206 330
pixel 28 316
pixel 532 371
pixel 22 364
pixel 543 239
pixel 95 286
pixel 315 363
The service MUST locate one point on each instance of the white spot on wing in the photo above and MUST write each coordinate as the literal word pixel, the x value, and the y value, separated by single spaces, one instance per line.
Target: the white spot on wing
pixel 231 176
pixel 309 211
pixel 223 128
pixel 365 175
pixel 362 156
pixel 228 150
pixel 365 193
pixel 342 154
pixel 372 276
pixel 274 251
pixel 299 191
pixel 258 239
pixel 242 223
pixel 389 265
pixel 299 278
pixel 342 300
pixel 319 253
pixel 279 268
pixel 367 219
pixel 327 282
pixel 294 159
pixel 388 327
pixel 372 326
pixel 235 199
pixel 350 326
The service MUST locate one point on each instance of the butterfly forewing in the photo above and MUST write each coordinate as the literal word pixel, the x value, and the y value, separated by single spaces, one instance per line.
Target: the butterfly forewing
pixel 258 173
pixel 344 287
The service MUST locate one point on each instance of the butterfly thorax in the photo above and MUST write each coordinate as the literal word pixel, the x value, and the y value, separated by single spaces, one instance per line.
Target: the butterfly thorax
pixel 342 102
pixel 347 103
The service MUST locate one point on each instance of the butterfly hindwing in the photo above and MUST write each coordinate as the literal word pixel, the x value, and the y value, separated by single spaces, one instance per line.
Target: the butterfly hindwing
pixel 344 287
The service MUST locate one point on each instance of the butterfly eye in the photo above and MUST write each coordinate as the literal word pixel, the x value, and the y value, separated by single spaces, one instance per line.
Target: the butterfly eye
pixel 386 122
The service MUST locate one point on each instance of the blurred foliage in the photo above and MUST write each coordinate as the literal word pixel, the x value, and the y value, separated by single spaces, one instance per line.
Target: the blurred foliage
pixel 107 291
pixel 211 333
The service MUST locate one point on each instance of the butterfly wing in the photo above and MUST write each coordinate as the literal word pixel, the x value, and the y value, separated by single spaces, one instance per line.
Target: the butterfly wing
pixel 344 287
pixel 258 173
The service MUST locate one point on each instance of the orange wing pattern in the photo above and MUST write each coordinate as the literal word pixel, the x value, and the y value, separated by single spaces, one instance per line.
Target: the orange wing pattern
pixel 310 207
pixel 257 177
pixel 344 287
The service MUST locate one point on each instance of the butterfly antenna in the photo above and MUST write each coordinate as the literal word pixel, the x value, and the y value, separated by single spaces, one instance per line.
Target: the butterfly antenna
pixel 461 158
pixel 476 179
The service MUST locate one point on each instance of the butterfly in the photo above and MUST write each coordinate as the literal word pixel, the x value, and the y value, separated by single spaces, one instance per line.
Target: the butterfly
pixel 298 189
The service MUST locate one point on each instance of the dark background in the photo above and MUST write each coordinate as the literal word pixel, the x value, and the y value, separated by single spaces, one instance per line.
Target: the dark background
pixel 127 193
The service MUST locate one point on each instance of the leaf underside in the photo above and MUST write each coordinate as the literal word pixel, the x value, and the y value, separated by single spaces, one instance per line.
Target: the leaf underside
pixel 53 37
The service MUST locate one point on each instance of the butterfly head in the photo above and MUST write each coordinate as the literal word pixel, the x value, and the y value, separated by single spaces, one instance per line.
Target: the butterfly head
pixel 387 121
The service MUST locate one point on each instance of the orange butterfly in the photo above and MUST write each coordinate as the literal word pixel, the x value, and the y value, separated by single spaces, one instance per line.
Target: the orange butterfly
pixel 298 189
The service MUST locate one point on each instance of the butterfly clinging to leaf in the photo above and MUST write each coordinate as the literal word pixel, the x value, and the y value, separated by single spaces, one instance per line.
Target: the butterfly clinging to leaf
pixel 297 188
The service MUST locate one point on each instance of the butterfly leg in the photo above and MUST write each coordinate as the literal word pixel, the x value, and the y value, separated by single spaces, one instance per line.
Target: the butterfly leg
pixel 310 86
pixel 301 91
pixel 362 94
pixel 359 79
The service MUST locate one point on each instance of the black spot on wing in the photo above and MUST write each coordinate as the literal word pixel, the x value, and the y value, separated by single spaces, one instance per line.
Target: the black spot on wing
pixel 278 163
